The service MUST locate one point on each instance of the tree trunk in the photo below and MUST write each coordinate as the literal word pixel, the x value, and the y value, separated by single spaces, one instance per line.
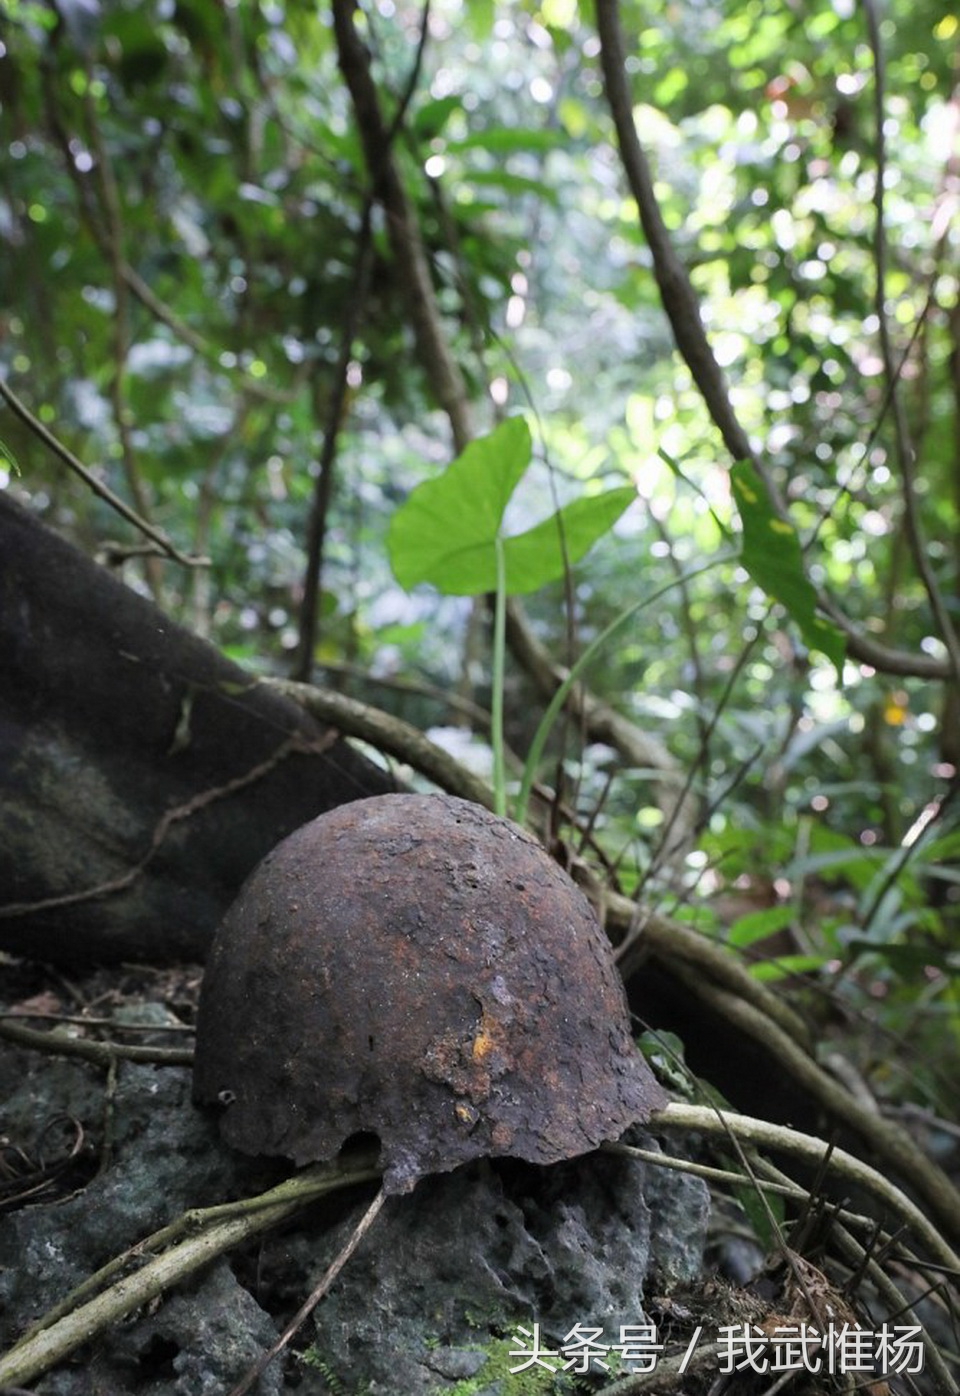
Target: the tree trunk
pixel 142 774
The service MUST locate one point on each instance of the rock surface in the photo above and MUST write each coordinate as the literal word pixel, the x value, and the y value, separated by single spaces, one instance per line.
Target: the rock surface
pixel 427 1305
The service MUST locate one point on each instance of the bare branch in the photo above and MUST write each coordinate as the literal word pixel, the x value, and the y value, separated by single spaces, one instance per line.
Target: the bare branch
pixel 388 734
pixel 906 455
pixel 680 301
pixel 43 434
pixel 174 1253
pixel 682 308
pixel 403 229
pixel 605 724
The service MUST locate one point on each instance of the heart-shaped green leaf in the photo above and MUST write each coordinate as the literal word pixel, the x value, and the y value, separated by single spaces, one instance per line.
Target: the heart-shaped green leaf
pixel 446 532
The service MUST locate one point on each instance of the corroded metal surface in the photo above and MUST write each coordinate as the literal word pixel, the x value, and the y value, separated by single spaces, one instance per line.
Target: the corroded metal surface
pixel 414 966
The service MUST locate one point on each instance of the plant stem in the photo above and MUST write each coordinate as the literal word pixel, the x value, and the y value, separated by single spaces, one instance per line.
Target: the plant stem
pixel 208 1233
pixel 496 704
pixel 559 698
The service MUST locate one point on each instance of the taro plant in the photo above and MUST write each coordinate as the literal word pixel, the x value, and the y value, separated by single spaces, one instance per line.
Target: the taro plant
pixel 449 532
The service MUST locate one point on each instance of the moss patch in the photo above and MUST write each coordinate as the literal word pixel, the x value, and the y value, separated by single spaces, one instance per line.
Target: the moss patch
pixel 495 1375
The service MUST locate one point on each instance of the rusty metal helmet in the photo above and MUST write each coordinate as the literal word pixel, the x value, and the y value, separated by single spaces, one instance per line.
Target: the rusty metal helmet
pixel 415 967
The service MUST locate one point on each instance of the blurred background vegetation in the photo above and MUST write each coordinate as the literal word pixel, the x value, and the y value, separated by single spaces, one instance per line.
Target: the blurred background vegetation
pixel 199 300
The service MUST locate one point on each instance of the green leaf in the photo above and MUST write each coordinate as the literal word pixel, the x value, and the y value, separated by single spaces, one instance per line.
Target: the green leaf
pixel 773 557
pixel 782 966
pixel 446 533
pixel 765 1217
pixel 6 455
pixel 514 184
pixel 537 556
pixel 433 116
pixel 756 925
pixel 507 140
pixel 908 961
pixel 478 18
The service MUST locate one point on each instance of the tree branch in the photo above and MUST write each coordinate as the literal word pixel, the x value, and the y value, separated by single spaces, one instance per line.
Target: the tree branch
pixel 336 409
pixel 711 974
pixel 680 301
pixel 682 307
pixel 174 1253
pixel 390 735
pixel 403 230
pixel 323 485
pixel 43 434
pixel 114 242
pixel 806 1146
pixel 605 724
pixel 602 723
pixel 906 455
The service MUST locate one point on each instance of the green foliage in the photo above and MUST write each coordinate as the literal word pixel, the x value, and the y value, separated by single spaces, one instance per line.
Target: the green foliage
pixel 183 189
pixel 7 455
pixel 772 556
pixel 764 1212
pixel 495 1374
pixel 555 706
pixel 313 1358
pixel 447 532
pixel 757 925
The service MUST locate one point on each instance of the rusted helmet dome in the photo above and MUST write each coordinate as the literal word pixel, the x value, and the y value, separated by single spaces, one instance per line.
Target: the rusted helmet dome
pixel 416 967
